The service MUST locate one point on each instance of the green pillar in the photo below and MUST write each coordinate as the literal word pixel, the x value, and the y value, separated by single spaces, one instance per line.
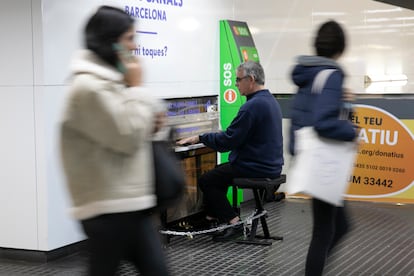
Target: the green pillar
pixel 236 46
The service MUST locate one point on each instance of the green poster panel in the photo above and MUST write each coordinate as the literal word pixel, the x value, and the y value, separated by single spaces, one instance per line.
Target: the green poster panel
pixel 236 46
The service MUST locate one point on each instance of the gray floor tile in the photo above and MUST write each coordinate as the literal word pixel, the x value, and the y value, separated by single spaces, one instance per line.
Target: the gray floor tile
pixel 381 242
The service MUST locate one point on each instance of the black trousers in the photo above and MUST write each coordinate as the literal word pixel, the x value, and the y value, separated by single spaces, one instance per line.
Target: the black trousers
pixel 330 224
pixel 214 185
pixel 130 236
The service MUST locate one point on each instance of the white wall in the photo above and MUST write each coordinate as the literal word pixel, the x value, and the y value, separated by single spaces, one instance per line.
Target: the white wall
pixel 189 36
pixel 32 201
pixel 379 39
pixel 18 201
pixel 42 35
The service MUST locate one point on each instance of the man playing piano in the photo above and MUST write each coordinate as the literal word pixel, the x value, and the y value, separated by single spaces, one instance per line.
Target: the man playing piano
pixel 254 139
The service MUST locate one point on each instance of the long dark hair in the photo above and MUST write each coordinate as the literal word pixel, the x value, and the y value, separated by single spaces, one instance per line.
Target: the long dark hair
pixel 330 39
pixel 104 29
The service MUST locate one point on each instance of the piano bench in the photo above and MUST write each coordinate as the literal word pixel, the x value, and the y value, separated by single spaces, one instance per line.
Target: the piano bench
pixel 261 187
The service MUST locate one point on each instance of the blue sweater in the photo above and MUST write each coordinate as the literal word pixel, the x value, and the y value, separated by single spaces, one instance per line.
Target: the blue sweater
pixel 319 110
pixel 254 137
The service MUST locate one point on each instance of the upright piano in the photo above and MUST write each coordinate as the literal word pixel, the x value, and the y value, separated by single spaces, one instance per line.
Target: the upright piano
pixel 188 117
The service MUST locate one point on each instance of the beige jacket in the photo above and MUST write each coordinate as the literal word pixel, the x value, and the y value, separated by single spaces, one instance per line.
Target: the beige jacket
pixel 105 141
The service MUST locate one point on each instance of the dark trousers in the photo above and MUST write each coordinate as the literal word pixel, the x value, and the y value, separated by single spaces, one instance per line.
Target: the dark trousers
pixel 130 236
pixel 330 224
pixel 214 185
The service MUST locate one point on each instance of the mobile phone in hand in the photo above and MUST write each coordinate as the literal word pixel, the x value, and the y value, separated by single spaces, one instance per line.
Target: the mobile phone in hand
pixel 124 55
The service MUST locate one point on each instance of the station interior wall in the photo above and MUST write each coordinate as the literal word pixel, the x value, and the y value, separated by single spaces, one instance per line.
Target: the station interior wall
pixel 40 36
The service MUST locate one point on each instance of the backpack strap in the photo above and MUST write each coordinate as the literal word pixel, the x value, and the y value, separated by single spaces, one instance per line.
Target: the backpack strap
pixel 320 80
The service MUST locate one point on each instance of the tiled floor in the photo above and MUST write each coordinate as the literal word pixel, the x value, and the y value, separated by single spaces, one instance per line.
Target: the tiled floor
pixel 381 243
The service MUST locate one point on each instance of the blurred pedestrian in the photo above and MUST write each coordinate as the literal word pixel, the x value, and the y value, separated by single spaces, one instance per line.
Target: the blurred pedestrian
pixel 106 148
pixel 323 112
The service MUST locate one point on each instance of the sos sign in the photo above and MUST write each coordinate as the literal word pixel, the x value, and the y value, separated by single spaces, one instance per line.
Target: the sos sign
pixel 229 95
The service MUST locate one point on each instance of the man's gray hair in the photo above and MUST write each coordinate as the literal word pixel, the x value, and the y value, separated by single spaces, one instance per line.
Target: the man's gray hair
pixel 254 69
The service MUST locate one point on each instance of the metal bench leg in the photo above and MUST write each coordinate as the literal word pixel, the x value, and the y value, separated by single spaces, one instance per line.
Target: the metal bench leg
pixel 266 233
pixel 252 238
pixel 259 196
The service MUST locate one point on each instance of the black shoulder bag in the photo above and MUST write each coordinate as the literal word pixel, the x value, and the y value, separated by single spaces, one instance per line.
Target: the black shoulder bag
pixel 169 175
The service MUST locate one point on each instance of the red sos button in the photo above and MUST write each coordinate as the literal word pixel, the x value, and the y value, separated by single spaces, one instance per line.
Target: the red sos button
pixel 230 96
